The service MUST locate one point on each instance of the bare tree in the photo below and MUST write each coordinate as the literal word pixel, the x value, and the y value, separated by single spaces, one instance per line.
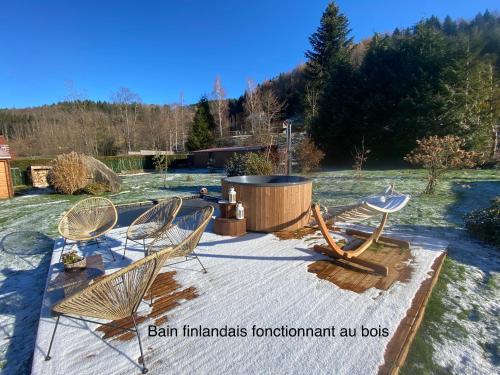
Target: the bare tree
pixel 252 105
pixel 312 96
pixel 127 101
pixel 221 104
pixel 262 108
pixel 360 156
pixel 182 122
pixel 80 125
pixel 85 118
pixel 272 107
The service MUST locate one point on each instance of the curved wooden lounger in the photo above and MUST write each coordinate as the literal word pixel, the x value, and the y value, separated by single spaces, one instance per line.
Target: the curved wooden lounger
pixel 357 212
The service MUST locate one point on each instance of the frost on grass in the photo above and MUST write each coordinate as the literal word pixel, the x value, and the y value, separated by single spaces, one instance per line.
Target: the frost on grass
pixel 472 309
pixel 460 330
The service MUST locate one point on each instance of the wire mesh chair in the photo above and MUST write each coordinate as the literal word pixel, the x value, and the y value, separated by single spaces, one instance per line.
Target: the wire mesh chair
pixel 116 296
pixel 87 220
pixel 152 222
pixel 184 235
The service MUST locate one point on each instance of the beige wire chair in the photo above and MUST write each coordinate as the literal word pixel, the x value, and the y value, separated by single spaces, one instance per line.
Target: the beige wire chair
pixel 184 235
pixel 116 296
pixel 152 222
pixel 87 220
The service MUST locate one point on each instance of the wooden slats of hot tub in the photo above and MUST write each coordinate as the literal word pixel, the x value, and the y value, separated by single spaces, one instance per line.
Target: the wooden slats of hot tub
pixel 273 208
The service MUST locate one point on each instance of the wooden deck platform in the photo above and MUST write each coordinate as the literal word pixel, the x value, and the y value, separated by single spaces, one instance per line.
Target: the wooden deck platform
pixel 358 279
pixel 167 294
pixel 259 280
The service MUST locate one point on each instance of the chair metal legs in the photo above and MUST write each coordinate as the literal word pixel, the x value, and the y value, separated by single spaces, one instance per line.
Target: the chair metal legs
pixel 143 245
pixel 125 248
pixel 47 357
pixel 199 261
pixel 144 369
pixel 110 251
pixel 62 250
pixel 135 330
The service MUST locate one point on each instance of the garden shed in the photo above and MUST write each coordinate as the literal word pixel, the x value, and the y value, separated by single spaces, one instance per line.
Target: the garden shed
pixel 6 189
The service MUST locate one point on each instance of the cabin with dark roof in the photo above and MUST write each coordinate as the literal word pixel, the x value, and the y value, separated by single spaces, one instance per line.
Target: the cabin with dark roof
pixel 217 157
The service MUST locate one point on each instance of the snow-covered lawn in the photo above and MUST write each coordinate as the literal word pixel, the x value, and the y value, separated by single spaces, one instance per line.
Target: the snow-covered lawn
pixel 459 334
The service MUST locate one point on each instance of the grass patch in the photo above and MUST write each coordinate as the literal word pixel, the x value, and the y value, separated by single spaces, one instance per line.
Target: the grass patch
pixel 420 357
pixel 376 247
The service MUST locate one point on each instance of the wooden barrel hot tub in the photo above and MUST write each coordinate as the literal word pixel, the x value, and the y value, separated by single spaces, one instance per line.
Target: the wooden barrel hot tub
pixel 272 203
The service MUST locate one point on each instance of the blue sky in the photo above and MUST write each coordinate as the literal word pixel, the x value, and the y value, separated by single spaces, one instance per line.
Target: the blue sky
pixel 160 48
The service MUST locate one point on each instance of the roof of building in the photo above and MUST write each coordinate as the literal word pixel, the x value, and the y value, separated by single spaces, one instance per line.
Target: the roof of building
pixel 238 148
pixel 4 149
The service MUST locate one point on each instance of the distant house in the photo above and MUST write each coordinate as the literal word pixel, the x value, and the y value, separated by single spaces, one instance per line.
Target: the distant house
pixel 6 189
pixel 217 157
pixel 151 152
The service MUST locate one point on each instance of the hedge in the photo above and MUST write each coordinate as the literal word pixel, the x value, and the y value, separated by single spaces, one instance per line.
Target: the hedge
pixel 128 163
pixel 484 224
pixel 119 164
pixel 19 177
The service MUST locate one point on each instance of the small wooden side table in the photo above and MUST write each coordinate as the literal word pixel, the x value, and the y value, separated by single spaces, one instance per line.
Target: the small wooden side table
pixel 71 282
pixel 227 210
pixel 230 227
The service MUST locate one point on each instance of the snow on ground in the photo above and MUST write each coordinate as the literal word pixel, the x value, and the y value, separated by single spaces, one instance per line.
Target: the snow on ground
pixel 466 296
pixel 252 280
pixel 470 342
pixel 28 226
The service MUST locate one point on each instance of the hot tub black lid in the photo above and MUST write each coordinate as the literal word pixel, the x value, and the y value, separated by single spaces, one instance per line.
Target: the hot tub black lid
pixel 267 180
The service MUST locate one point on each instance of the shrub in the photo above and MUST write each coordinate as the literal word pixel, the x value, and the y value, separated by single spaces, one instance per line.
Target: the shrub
pixel 96 188
pixel 279 160
pixel 439 155
pixel 360 156
pixel 484 224
pixel 161 163
pixel 308 156
pixel 235 165
pixel 257 164
pixel 248 164
pixel 71 257
pixel 69 173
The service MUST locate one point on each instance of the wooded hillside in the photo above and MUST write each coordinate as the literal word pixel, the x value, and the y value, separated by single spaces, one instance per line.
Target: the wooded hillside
pixel 437 77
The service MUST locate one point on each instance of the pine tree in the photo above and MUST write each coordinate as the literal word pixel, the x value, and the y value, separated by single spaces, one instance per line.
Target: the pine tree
pixel 329 45
pixel 449 26
pixel 201 134
pixel 330 72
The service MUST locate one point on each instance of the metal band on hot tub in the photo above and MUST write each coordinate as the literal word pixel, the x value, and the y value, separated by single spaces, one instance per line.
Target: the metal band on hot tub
pixel 268 180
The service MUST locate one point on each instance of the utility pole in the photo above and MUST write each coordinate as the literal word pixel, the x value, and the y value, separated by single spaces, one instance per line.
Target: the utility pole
pixel 287 124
